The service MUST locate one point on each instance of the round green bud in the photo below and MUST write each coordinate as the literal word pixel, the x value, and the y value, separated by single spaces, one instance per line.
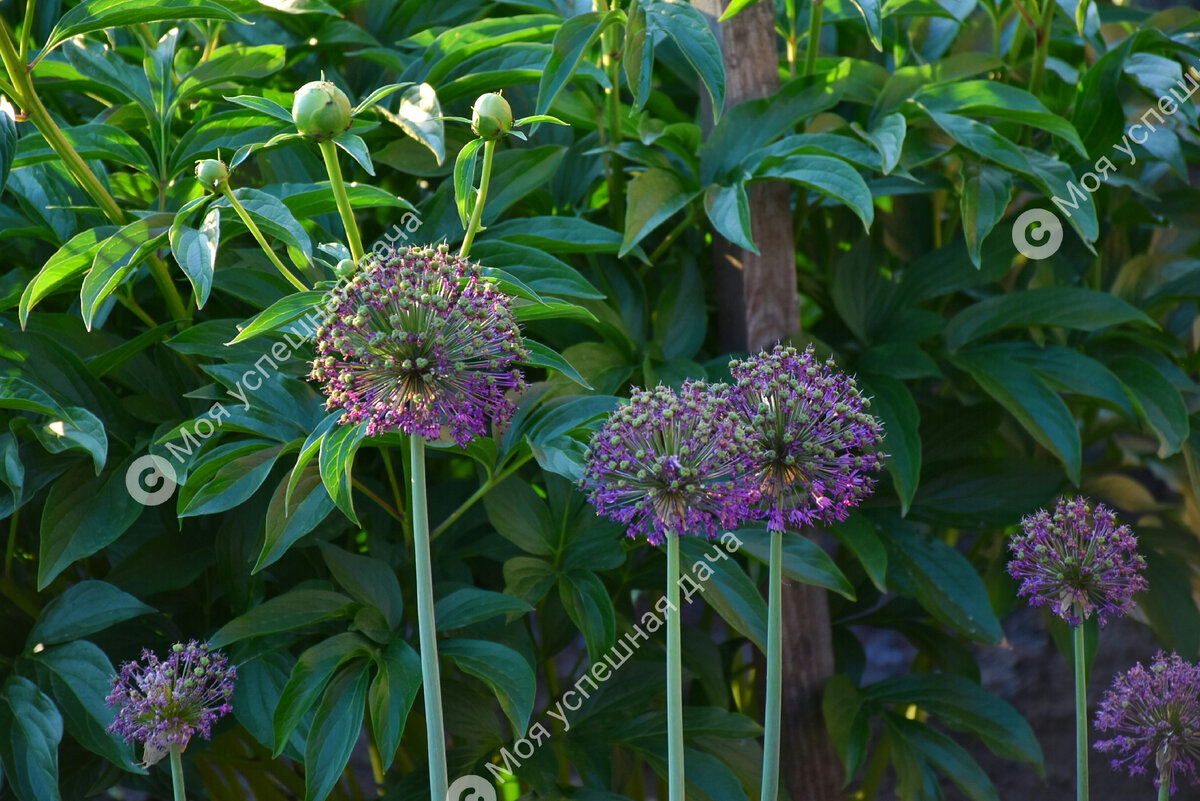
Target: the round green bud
pixel 491 116
pixel 321 110
pixel 212 173
pixel 345 268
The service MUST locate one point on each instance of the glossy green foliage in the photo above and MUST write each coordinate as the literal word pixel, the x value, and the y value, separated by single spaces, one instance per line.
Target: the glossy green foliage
pixel 910 151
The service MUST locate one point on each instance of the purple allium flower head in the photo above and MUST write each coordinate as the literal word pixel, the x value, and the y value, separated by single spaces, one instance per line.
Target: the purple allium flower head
pixel 812 441
pixel 1078 560
pixel 165 703
pixel 1155 717
pixel 671 462
pixel 418 341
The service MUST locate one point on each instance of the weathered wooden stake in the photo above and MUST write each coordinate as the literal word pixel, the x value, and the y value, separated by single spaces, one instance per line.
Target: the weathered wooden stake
pixel 757 306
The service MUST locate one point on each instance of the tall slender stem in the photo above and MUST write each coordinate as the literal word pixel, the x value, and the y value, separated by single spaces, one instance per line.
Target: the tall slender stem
pixel 262 241
pixel 791 38
pixel 177 773
pixel 25 94
pixel 675 773
pixel 1042 48
pixel 1081 714
pixel 485 177
pixel 1164 787
pixel 329 153
pixel 814 36
pixel 774 699
pixel 430 677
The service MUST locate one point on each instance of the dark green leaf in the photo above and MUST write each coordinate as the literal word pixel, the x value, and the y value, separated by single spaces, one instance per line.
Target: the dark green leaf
pixel 334 731
pixel 69 261
pixel 83 514
pixel 289 519
pixel 502 669
pixel 654 196
pixel 571 43
pixel 943 581
pixel 728 590
pixel 308 680
pixel 30 731
pixel 1059 306
pixel 292 610
pixel 368 579
pixel 1038 409
pixel 392 694
pixel 985 194
pixel 590 607
pixel 85 608
pixel 1159 401
pixel 96 15
pixel 803 559
pixel 80 676
pixel 964 706
pixel 119 254
pixel 336 460
pixel 893 404
pixel 472 605
pixel 196 252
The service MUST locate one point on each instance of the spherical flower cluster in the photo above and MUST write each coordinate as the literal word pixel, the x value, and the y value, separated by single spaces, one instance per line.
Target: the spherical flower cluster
pixel 1079 561
pixel 418 341
pixel 1155 717
pixel 161 704
pixel 812 440
pixel 671 462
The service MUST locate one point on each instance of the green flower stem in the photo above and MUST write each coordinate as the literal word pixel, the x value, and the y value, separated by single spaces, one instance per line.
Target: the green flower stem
pixel 489 150
pixel 1164 787
pixel 241 212
pixel 814 36
pixel 774 700
pixel 329 153
pixel 675 774
pixel 27 31
pixel 791 38
pixel 177 772
pixel 430 678
pixel 1081 714
pixel 673 234
pixel 1042 48
pixel 612 64
pixel 25 94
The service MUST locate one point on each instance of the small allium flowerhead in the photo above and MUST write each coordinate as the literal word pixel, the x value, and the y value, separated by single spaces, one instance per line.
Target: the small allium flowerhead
pixel 1154 716
pixel 419 341
pixel 165 703
pixel 671 462
pixel 812 440
pixel 1078 560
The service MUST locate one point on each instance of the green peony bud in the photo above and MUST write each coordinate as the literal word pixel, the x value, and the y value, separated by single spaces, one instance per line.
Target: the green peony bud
pixel 321 110
pixel 212 173
pixel 345 268
pixel 491 116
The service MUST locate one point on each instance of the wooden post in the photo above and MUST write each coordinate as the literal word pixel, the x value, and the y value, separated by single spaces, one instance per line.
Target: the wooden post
pixel 757 306
pixel 756 293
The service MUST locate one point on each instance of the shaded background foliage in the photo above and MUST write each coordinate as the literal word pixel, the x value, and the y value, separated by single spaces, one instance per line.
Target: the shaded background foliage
pixel 910 150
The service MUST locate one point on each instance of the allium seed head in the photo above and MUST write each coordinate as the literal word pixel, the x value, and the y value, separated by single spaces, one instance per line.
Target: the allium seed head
pixel 1078 560
pixel 671 462
pixel 420 341
pixel 812 441
pixel 1154 715
pixel 166 703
